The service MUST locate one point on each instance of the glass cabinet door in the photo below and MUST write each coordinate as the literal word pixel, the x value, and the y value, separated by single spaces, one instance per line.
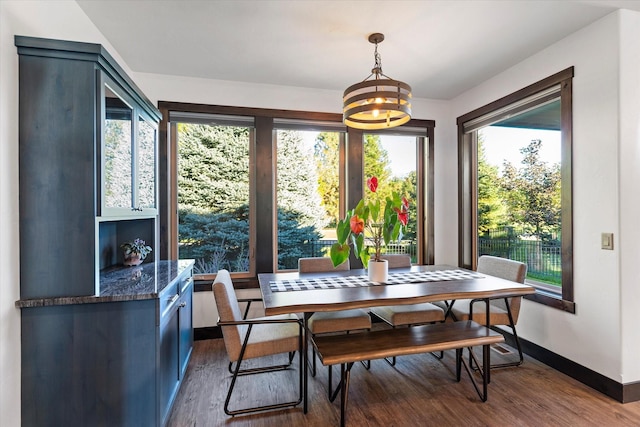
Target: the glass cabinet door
pixel 117 154
pixel 146 162
pixel 129 155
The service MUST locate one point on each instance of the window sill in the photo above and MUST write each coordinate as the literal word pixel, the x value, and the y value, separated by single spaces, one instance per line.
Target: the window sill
pixel 552 300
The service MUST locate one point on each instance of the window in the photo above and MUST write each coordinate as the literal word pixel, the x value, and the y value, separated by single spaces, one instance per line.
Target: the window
pixel 393 160
pixel 308 193
pixel 252 190
pixel 213 192
pixel 515 185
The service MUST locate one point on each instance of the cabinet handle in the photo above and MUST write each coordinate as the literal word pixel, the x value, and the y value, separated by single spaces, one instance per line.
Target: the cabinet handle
pixel 174 298
pixel 182 304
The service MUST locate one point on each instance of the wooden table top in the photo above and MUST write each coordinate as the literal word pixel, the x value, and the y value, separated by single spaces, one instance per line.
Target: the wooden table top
pixel 301 301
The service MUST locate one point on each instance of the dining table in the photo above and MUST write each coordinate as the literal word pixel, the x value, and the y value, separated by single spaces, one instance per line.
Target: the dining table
pixel 308 293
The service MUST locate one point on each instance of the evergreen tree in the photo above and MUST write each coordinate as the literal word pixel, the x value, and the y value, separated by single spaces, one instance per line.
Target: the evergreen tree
pixel 297 180
pixel 534 192
pixel 327 157
pixel 300 214
pixel 213 196
pixel 491 211
pixel 213 167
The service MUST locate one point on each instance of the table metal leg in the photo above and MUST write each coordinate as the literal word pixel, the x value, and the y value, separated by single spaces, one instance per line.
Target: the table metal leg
pixel 305 365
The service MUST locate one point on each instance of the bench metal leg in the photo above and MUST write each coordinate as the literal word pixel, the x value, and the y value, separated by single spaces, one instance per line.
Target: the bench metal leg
pixel 484 371
pixel 345 375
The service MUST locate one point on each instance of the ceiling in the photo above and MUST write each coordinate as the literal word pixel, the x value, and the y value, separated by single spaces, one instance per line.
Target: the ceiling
pixel 441 48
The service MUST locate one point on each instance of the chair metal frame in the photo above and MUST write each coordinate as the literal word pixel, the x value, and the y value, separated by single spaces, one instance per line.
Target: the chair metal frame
pixel 510 324
pixel 241 372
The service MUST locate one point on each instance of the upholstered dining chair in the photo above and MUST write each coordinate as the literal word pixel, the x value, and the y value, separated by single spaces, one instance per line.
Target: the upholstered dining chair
pixel 253 338
pixel 332 321
pixel 503 311
pixel 406 315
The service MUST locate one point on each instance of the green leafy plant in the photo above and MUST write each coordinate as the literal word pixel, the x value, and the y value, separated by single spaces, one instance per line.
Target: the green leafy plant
pixel 138 246
pixel 366 226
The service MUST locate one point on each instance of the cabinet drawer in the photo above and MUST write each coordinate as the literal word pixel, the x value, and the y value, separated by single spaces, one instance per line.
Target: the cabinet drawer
pixel 169 298
pixel 185 282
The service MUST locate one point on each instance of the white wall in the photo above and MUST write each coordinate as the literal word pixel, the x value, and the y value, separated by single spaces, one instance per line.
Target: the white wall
pixel 51 19
pixel 604 143
pixel 629 178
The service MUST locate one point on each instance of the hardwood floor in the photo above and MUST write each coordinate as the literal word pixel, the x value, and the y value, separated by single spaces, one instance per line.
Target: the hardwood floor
pixel 420 391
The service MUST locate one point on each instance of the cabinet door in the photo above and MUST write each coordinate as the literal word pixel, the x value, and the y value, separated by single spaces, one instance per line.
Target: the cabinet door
pixel 147 132
pixel 169 364
pixel 128 155
pixel 117 152
pixel 186 324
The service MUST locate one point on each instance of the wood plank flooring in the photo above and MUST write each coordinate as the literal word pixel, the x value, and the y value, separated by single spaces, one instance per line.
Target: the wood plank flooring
pixel 420 391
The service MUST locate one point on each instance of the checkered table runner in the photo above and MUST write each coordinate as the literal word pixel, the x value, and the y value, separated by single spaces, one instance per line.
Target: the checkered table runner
pixel 357 281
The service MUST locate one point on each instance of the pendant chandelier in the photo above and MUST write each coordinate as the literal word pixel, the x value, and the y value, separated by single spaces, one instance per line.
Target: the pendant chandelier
pixel 378 103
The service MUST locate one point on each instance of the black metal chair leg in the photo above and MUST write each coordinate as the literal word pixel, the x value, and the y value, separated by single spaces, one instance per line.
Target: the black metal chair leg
pixel 330 389
pixel 313 356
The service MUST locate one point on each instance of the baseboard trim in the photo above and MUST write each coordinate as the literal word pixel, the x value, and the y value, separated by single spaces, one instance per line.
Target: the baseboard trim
pixel 207 333
pixel 623 393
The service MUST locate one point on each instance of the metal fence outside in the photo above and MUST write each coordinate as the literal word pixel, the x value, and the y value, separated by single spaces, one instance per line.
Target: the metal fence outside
pixel 543 258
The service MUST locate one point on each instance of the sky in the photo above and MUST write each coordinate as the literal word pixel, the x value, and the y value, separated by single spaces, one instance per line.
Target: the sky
pixel 503 143
pixel 402 153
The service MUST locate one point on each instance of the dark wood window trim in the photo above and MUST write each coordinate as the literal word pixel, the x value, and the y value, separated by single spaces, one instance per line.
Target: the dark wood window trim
pixel 264 184
pixel 466 173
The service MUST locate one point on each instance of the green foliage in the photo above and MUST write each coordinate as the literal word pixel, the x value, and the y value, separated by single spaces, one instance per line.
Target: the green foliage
pixel 377 163
pixel 213 197
pixel 533 192
pixel 216 240
pixel 213 167
pixel 327 160
pixel 491 209
pixel 298 181
pixel 293 239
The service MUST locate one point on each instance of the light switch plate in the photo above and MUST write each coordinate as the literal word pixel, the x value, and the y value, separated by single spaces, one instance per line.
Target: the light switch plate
pixel 607 241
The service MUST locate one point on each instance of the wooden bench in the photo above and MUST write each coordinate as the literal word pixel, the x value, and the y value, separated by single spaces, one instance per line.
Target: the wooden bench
pixel 347 349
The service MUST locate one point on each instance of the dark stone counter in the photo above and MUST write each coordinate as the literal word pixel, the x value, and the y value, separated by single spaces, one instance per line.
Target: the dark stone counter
pixel 120 283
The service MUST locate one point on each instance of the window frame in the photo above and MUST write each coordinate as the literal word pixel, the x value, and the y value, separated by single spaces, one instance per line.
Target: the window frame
pixel 467 182
pixel 263 168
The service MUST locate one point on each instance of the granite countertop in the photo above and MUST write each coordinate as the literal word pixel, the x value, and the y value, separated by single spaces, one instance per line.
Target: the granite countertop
pixel 120 283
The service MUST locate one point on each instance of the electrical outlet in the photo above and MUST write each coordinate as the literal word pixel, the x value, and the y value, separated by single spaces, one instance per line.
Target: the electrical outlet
pixel 607 241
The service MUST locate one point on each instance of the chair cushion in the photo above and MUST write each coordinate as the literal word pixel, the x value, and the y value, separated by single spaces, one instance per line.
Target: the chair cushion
pixel 270 338
pixel 412 314
pixel 338 321
pixel 320 264
pixel 497 311
pixel 397 260
pixel 265 339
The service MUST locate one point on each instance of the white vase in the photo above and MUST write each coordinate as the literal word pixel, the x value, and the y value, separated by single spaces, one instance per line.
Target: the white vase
pixel 378 271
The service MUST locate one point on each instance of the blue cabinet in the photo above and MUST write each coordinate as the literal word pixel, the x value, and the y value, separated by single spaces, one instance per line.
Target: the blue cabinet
pixel 102 344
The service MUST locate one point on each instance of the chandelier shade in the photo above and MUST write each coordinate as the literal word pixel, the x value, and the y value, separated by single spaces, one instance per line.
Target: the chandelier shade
pixel 377 103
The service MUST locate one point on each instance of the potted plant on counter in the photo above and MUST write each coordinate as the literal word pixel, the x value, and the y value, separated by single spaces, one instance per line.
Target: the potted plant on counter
pixel 135 252
pixel 366 226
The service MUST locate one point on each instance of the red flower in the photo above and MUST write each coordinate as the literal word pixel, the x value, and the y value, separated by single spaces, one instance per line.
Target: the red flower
pixel 403 215
pixel 356 224
pixel 403 211
pixel 405 202
pixel 372 183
